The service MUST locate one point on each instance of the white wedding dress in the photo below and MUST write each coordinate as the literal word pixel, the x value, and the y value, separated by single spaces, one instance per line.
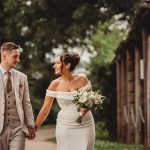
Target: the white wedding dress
pixel 71 135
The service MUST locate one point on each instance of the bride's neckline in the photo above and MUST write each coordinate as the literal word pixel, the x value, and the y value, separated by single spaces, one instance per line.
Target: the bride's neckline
pixel 72 90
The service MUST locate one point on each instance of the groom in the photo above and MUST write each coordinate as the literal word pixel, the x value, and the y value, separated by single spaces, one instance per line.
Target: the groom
pixel 16 115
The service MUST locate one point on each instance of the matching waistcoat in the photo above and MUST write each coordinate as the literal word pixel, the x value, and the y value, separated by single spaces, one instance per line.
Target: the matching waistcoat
pixel 11 117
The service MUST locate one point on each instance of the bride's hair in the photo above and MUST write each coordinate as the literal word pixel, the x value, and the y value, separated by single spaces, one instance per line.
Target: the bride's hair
pixel 72 58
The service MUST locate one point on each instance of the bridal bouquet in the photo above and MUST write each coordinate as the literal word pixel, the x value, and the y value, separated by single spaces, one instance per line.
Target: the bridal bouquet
pixel 89 100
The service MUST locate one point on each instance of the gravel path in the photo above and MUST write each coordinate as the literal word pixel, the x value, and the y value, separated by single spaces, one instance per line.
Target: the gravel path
pixel 42 140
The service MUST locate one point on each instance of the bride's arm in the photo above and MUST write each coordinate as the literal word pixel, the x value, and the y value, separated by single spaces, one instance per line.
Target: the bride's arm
pixel 46 106
pixel 44 111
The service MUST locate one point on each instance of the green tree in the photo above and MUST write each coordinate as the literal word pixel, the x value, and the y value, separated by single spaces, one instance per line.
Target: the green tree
pixel 39 26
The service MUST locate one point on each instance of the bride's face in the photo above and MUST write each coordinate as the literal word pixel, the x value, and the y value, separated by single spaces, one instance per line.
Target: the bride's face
pixel 58 66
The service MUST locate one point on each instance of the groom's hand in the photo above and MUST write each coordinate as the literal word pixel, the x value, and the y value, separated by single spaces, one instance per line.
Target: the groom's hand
pixel 31 135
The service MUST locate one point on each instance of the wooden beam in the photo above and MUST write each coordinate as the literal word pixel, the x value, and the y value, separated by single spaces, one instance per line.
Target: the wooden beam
pixel 118 77
pixel 148 93
pixel 146 55
pixel 138 128
pixel 130 94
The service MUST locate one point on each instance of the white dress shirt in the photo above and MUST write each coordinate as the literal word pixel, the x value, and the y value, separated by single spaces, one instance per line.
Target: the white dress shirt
pixel 4 76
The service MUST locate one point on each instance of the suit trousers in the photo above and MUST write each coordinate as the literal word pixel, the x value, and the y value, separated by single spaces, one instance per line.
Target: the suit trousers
pixel 12 139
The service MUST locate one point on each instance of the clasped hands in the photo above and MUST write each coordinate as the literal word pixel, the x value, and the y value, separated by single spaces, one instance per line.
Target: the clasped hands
pixel 32 132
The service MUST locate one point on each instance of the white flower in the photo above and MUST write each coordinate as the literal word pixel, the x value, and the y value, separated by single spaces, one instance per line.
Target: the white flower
pixel 99 99
pixel 91 95
pixel 83 98
pixel 89 100
pixel 90 103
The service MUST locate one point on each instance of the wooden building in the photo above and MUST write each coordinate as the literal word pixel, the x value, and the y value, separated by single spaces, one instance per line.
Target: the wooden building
pixel 133 81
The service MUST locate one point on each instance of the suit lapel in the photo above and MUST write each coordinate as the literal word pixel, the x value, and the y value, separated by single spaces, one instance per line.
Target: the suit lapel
pixel 16 86
pixel 1 84
pixel 2 102
pixel 16 82
pixel 16 90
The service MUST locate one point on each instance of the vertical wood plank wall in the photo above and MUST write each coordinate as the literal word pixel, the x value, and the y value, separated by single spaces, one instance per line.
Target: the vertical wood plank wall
pixel 138 98
pixel 133 95
pixel 148 94
pixel 146 54
pixel 130 93
pixel 145 86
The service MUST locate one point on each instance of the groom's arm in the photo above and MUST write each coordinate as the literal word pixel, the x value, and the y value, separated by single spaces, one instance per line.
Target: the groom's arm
pixel 28 112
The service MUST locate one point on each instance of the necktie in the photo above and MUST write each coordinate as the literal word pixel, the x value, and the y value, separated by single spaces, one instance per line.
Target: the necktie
pixel 8 82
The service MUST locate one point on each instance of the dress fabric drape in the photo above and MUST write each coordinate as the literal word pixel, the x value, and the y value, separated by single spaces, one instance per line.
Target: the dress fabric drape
pixel 71 135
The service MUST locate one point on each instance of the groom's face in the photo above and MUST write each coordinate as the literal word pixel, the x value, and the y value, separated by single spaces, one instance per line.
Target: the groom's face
pixel 12 58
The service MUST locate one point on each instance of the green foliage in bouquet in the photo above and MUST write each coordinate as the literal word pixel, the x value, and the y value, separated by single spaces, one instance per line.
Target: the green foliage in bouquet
pixel 89 100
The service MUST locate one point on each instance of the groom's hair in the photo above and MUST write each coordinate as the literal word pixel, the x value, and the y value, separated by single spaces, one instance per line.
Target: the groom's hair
pixel 9 46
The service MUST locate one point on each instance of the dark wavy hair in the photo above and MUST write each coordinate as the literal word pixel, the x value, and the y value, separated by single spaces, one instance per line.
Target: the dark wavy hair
pixel 72 58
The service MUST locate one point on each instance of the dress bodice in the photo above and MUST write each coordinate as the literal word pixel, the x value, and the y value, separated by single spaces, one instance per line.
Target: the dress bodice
pixel 69 113
pixel 67 95
pixel 69 133
pixel 64 99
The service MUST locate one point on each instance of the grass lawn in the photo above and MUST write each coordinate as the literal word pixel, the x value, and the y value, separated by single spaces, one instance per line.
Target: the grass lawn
pixel 106 145
pixel 48 126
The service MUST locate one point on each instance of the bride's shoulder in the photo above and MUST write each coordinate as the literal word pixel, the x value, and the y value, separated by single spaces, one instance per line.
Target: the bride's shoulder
pixel 54 84
pixel 82 79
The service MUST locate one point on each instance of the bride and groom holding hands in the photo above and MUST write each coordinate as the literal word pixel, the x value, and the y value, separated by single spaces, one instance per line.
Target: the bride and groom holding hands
pixel 16 114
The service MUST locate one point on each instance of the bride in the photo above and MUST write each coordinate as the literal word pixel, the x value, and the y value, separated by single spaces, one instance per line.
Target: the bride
pixel 70 135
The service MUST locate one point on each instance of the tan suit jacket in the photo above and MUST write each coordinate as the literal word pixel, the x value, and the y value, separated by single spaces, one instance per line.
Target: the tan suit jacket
pixel 24 108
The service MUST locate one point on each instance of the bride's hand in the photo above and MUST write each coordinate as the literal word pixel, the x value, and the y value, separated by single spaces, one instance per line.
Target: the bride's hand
pixel 83 111
pixel 32 134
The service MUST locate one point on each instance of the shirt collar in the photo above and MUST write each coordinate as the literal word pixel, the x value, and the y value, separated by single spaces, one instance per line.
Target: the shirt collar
pixel 3 70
